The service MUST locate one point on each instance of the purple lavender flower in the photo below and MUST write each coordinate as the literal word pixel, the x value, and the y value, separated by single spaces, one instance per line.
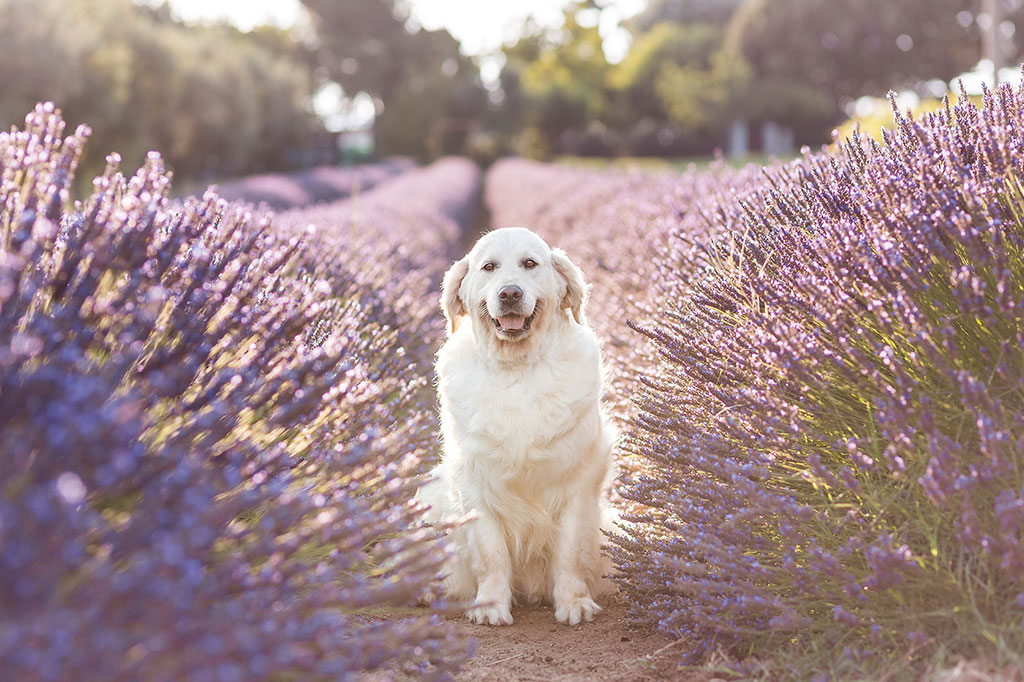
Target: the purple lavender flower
pixel 210 426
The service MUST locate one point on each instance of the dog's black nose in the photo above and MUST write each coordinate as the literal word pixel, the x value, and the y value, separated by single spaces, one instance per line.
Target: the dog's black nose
pixel 510 294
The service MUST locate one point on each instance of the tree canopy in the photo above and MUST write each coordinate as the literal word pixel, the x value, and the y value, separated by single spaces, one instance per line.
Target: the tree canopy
pixel 666 46
pixel 557 79
pixel 848 48
pixel 697 66
pixel 419 78
pixel 716 12
pixel 213 100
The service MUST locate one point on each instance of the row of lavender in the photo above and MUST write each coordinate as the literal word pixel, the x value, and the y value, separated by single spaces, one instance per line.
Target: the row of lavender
pixel 323 184
pixel 830 441
pixel 208 419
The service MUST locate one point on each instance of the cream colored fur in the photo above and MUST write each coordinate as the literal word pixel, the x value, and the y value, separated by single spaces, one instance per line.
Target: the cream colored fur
pixel 526 444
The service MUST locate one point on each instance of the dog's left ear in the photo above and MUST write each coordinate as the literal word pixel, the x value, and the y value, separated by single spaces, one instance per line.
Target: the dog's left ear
pixel 575 288
pixel 451 302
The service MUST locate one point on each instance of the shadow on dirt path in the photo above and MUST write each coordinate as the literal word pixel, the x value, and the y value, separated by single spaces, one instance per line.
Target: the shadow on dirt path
pixel 471 230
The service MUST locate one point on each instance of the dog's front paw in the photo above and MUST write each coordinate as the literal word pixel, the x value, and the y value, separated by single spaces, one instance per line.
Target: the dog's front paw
pixel 490 615
pixel 574 611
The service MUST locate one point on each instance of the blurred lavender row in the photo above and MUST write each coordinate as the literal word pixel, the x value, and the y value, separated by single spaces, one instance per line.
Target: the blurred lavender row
pixel 282 191
pixel 826 435
pixel 210 426
pixel 397 241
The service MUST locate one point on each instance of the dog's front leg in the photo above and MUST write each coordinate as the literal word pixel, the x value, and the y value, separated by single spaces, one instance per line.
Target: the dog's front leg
pixel 575 551
pixel 493 569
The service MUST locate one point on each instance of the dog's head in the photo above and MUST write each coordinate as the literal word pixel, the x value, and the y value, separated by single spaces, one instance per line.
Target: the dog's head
pixel 510 283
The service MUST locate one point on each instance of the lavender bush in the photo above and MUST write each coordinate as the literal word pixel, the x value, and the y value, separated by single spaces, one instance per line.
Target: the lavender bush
pixel 281 191
pixel 835 430
pixel 208 427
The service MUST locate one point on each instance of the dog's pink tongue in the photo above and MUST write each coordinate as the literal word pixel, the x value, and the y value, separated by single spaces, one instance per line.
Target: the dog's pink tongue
pixel 512 322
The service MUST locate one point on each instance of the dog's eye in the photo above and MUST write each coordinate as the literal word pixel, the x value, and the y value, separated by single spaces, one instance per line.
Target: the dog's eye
pixel 488 266
pixel 529 263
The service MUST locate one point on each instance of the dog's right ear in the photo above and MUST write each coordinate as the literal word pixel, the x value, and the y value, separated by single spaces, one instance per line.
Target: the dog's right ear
pixel 575 287
pixel 451 302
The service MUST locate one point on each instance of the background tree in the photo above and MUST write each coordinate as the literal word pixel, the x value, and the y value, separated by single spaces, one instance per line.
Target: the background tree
pixel 716 12
pixel 509 115
pixel 562 76
pixel 666 45
pixel 703 98
pixel 214 101
pixel 848 48
pixel 419 78
pixel 673 92
pixel 356 44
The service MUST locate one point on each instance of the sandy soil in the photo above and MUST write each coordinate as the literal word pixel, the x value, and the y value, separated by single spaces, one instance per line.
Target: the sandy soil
pixel 537 648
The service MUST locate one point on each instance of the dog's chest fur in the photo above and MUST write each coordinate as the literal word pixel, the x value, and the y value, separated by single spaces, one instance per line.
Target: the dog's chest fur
pixel 522 415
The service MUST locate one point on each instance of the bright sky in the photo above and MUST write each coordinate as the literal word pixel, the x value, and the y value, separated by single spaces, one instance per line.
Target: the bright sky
pixel 479 25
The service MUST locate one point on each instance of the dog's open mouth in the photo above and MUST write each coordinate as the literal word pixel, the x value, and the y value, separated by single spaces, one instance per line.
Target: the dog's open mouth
pixel 513 325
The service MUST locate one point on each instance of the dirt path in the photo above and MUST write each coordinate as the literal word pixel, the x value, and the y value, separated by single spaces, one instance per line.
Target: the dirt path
pixel 537 648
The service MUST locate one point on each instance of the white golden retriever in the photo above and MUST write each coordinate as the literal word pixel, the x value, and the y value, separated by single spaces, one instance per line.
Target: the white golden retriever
pixel 526 445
